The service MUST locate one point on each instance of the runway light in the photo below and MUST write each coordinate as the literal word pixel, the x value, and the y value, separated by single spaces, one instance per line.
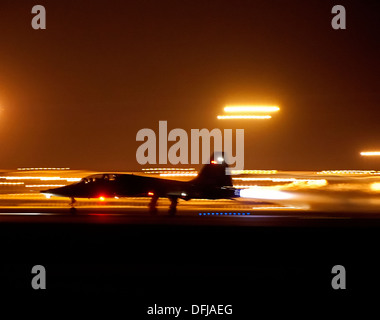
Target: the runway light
pixel 251 109
pixel 245 117
pixel 370 153
pixel 224 213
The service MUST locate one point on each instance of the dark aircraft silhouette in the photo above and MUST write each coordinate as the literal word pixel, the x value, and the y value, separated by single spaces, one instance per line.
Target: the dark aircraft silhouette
pixel 211 183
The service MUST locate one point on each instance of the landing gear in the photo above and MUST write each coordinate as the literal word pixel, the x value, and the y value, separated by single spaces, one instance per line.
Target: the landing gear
pixel 72 202
pixel 153 205
pixel 173 205
pixel 73 210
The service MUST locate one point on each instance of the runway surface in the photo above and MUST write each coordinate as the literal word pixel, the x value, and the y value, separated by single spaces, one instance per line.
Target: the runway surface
pixel 255 253
pixel 201 217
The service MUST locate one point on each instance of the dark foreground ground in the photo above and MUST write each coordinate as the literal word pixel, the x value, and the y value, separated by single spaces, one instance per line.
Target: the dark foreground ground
pixel 124 263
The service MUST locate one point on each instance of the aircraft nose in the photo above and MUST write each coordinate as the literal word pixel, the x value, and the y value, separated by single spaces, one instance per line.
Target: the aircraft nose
pixel 56 191
pixel 46 191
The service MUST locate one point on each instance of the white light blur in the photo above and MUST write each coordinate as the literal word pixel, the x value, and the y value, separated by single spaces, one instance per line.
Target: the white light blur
pixel 178 174
pixel 349 172
pixel 44 185
pixel 251 109
pixel 39 178
pixel 370 153
pixel 265 194
pixel 245 117
pixel 375 186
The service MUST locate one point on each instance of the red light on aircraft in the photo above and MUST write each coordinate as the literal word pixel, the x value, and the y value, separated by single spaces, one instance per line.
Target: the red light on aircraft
pixel 150 194
pixel 214 162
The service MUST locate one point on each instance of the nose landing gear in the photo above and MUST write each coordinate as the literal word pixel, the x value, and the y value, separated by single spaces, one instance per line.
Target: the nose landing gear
pixel 73 210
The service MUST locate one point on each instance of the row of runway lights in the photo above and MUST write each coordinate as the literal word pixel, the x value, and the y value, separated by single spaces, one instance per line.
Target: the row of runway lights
pixel 224 213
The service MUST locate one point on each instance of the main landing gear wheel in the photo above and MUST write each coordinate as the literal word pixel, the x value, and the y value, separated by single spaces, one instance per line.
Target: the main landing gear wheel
pixel 153 205
pixel 173 206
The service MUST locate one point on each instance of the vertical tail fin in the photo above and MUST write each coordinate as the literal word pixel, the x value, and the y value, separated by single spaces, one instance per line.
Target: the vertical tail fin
pixel 214 173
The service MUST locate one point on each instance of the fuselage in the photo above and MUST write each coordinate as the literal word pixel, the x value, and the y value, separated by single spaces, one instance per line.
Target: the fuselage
pixel 128 185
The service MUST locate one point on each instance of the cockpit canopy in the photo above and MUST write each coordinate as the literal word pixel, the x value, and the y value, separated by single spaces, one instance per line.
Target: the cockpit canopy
pixel 99 178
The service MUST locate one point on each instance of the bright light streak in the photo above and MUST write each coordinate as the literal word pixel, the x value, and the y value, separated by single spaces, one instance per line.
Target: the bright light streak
pixel 267 194
pixel 178 174
pixel 245 117
pixel 44 185
pixel 349 172
pixel 280 208
pixel 311 182
pixel 253 171
pixel 30 169
pixel 375 186
pixel 169 169
pixel 294 181
pixel 266 179
pixel 102 198
pixel 38 178
pixel 251 109
pixel 11 183
pixel 370 153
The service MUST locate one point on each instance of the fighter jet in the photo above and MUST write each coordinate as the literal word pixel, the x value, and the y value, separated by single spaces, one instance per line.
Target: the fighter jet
pixel 211 183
